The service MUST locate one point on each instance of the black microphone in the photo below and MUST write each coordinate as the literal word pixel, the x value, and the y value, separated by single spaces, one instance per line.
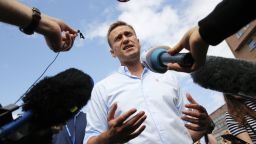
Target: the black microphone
pixel 157 58
pixel 231 76
pixel 56 99
pixel 52 101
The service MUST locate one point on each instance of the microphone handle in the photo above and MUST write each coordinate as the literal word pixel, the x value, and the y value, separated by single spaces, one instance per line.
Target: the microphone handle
pixel 12 126
pixel 183 59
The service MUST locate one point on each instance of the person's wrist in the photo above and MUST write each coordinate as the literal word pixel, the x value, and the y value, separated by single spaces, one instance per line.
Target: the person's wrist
pixel 104 138
pixel 45 26
pixel 211 127
pixel 30 28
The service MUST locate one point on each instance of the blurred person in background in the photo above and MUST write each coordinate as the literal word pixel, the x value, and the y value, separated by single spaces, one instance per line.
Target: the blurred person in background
pixel 73 132
pixel 241 117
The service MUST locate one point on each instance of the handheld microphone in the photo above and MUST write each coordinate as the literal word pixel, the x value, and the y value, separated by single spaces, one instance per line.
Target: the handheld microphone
pixel 230 76
pixel 157 58
pixel 52 101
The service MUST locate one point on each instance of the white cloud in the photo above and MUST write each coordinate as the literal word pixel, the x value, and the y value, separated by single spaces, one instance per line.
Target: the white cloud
pixel 152 26
pixel 100 31
pixel 137 5
pixel 194 10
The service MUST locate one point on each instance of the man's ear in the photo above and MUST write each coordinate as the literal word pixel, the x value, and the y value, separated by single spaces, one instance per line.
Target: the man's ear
pixel 112 53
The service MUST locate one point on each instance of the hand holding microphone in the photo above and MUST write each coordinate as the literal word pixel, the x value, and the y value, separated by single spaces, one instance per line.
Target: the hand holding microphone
pixel 193 42
pixel 157 59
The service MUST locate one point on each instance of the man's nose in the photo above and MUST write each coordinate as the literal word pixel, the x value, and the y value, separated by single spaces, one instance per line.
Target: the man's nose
pixel 125 40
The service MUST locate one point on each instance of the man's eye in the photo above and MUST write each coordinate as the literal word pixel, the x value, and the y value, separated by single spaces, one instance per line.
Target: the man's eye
pixel 118 38
pixel 128 34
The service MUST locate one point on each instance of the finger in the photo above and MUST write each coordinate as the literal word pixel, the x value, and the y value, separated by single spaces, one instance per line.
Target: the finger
pixel 125 116
pixel 71 42
pixel 190 119
pixel 195 66
pixel 132 124
pixel 192 113
pixel 140 121
pixel 177 67
pixel 73 37
pixel 68 40
pixel 193 106
pixel 64 46
pixel 135 118
pixel 54 44
pixel 196 107
pixel 190 99
pixel 176 49
pixel 112 112
pixel 65 27
pixel 136 133
pixel 194 127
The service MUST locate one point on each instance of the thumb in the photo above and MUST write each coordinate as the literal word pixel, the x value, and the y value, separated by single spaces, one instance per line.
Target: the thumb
pixel 176 49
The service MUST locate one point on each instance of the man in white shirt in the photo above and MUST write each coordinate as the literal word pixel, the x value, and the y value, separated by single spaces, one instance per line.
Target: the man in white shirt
pixel 112 111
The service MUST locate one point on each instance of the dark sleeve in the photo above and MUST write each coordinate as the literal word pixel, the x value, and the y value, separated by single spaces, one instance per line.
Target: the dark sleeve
pixel 227 18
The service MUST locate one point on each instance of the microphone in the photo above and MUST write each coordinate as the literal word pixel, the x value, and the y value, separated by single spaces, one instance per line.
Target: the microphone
pixel 230 76
pixel 56 99
pixel 157 58
pixel 52 101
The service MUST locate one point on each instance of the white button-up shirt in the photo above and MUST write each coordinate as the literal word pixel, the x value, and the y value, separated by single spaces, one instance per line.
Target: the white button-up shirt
pixel 156 94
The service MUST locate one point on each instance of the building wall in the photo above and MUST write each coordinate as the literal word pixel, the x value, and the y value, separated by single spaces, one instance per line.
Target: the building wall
pixel 218 118
pixel 243 43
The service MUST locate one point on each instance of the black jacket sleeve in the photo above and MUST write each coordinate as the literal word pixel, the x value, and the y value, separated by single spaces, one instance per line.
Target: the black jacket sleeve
pixel 227 18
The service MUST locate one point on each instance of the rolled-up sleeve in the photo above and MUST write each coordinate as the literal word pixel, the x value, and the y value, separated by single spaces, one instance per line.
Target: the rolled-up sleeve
pixel 96 114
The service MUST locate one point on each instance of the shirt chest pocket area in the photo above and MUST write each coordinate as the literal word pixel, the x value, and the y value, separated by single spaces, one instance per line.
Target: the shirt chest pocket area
pixel 164 90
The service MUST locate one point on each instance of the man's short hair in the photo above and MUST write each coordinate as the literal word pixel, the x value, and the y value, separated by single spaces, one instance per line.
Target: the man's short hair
pixel 115 25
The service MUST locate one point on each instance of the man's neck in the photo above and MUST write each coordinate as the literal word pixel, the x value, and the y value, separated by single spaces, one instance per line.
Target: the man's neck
pixel 135 69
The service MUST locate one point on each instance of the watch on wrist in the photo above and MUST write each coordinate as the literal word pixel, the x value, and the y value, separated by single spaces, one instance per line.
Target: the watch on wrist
pixel 211 128
pixel 36 17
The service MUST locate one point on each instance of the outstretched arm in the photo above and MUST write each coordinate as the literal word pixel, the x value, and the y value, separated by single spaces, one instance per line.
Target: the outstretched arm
pixel 15 13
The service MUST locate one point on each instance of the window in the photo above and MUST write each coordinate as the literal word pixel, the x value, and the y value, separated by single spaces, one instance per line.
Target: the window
pixel 251 44
pixel 241 31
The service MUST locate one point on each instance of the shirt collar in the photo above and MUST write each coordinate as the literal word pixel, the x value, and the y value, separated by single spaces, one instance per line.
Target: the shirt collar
pixel 124 70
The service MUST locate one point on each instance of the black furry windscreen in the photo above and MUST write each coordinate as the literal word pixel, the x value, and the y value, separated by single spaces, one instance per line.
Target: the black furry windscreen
pixel 56 99
pixel 227 75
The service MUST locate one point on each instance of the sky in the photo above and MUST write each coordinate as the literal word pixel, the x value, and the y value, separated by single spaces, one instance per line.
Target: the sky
pixel 23 58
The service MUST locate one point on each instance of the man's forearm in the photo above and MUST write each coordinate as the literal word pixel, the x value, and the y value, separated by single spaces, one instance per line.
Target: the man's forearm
pixel 196 135
pixel 15 13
